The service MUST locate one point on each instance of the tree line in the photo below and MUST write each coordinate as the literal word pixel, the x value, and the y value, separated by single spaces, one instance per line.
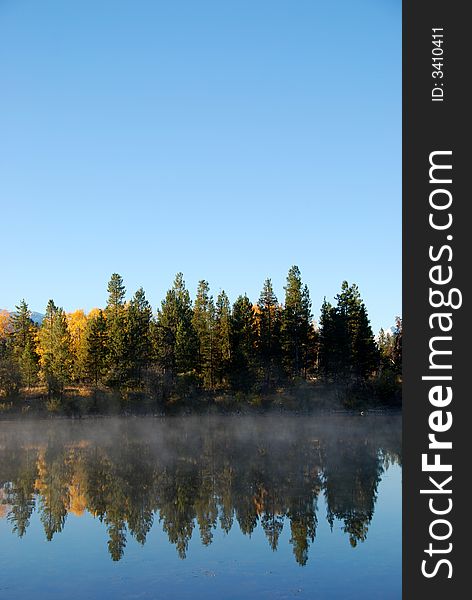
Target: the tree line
pixel 202 345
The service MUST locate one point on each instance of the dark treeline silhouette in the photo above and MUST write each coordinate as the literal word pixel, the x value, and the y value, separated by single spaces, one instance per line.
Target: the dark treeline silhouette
pixel 244 350
pixel 199 473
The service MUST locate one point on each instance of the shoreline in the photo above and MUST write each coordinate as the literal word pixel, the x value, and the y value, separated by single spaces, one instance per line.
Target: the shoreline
pixel 373 412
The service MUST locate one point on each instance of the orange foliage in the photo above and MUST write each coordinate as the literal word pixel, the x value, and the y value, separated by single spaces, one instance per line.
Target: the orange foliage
pixel 77 500
pixel 42 470
pixel 259 500
pixel 76 322
pixel 93 313
pixel 5 323
pixel 4 508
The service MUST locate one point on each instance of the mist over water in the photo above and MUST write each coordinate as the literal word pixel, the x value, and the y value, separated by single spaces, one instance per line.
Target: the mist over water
pixel 277 503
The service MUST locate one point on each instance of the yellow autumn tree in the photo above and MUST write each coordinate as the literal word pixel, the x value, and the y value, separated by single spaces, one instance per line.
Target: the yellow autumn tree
pixel 5 325
pixel 77 325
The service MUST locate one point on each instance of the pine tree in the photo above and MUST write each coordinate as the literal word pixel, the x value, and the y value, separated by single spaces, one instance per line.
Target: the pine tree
pixel 139 322
pixel 360 352
pixel 397 345
pixel 97 348
pixel 24 344
pixel 390 348
pixel 54 349
pixel 118 332
pixel 28 364
pixel 384 344
pixel 222 337
pixel 365 354
pixel 269 321
pixel 296 324
pixel 175 339
pixel 347 345
pixel 21 325
pixel 327 359
pixel 203 322
pixel 116 294
pixel 243 345
pixel 347 310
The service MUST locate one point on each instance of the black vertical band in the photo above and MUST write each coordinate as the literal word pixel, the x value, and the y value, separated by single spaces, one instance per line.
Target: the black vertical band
pixel 436 246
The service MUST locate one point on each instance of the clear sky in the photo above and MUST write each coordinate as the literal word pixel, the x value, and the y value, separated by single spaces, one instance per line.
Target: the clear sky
pixel 227 139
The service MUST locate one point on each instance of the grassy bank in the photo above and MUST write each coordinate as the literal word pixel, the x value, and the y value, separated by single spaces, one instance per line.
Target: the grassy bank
pixel 301 395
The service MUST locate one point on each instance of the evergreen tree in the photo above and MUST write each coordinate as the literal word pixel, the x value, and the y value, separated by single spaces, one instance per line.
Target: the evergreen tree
pixel 116 294
pixel 176 342
pixel 385 346
pixel 222 337
pixel 139 322
pixel 97 348
pixel 365 351
pixel 327 362
pixel 296 324
pixel 347 314
pixel 397 346
pixel 390 348
pixel 24 344
pixel 243 344
pixel 118 332
pixel 269 323
pixel 54 350
pixel 21 325
pixel 204 325
pixel 347 345
pixel 28 364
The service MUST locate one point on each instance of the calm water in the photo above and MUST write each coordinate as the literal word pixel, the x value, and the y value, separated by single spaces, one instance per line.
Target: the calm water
pixel 201 507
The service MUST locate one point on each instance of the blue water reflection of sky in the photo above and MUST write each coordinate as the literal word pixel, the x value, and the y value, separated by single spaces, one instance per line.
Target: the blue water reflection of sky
pixel 76 563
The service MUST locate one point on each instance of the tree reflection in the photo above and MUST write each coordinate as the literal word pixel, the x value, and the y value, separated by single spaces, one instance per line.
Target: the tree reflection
pixel 199 472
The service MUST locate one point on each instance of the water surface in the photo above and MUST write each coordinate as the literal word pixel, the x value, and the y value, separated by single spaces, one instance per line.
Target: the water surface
pixel 201 507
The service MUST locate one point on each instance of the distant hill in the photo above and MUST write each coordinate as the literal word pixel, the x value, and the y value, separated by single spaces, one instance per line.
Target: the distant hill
pixel 36 317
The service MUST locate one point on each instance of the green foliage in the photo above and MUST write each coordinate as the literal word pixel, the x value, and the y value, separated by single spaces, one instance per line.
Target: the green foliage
pixel 269 340
pixel 386 389
pixel 116 294
pixel 347 350
pixel 203 322
pixel 10 378
pixel 296 326
pixel 139 341
pixel 222 338
pixel 241 351
pixel 55 359
pixel 243 360
pixel 397 356
pixel 175 340
pixel 28 364
pixel 97 348
pixel 117 333
pixel 24 344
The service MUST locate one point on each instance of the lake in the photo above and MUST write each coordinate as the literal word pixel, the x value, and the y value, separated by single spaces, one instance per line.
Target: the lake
pixel 209 507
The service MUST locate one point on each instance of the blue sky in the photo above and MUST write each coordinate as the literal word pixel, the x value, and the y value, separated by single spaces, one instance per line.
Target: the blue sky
pixel 227 140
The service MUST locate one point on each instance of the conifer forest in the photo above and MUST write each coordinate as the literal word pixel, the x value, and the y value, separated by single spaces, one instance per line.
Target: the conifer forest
pixel 192 354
